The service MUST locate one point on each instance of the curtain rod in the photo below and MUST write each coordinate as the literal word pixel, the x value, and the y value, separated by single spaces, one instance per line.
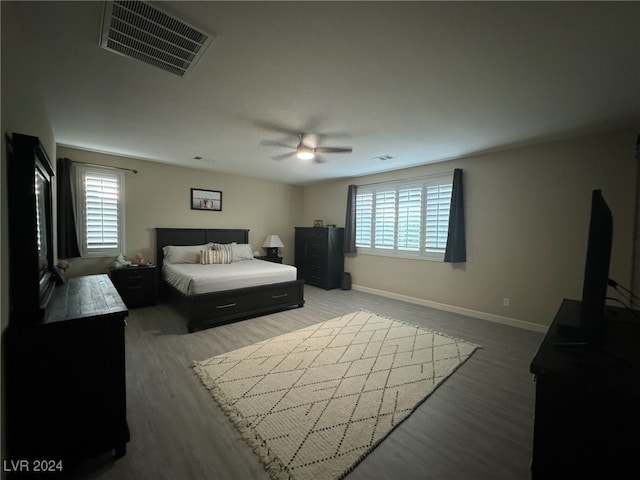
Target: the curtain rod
pixel 106 166
pixel 405 179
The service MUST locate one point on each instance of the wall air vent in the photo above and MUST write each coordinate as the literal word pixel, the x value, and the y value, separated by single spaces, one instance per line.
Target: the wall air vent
pixel 143 31
pixel 383 158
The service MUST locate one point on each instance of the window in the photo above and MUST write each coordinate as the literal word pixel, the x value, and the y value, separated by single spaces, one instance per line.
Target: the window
pixel 100 211
pixel 408 218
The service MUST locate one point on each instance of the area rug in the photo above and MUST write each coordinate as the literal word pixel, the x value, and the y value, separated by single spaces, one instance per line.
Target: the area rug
pixel 314 402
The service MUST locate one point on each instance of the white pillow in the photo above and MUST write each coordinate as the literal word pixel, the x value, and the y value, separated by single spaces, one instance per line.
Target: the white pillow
pixel 183 253
pixel 242 251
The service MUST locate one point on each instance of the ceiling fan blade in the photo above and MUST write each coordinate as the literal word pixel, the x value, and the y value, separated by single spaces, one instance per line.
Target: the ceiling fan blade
pixel 334 149
pixel 274 127
pixel 275 143
pixel 319 159
pixel 283 156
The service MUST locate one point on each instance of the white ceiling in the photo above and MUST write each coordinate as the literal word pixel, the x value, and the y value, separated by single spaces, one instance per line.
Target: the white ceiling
pixel 421 81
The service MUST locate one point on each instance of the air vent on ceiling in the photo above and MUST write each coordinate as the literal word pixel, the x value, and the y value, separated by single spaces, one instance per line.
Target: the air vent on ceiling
pixel 142 31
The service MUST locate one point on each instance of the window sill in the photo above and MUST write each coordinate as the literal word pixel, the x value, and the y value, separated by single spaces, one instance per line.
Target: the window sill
pixel 431 257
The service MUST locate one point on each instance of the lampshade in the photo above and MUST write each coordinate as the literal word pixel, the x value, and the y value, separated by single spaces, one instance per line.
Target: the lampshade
pixel 272 241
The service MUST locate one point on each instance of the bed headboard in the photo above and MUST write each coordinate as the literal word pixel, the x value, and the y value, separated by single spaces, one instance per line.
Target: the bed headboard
pixel 195 236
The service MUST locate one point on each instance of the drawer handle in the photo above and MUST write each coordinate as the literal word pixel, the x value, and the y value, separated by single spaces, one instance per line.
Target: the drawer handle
pixel 282 295
pixel 228 305
pixel 134 287
pixel 135 277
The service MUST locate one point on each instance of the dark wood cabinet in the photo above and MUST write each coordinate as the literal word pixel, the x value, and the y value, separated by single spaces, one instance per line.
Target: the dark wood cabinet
pixel 586 407
pixel 66 391
pixel 138 286
pixel 319 255
pixel 267 258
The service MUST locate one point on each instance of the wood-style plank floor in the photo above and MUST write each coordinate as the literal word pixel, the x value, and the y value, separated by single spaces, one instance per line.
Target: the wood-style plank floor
pixel 477 425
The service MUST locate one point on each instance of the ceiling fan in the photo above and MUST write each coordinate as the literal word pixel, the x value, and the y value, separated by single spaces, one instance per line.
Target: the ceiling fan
pixel 307 148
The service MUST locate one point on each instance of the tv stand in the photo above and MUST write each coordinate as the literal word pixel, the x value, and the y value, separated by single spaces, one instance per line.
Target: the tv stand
pixel 587 406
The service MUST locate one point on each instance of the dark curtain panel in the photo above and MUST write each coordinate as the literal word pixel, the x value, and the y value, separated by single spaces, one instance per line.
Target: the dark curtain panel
pixel 350 222
pixel 67 235
pixel 635 276
pixel 456 250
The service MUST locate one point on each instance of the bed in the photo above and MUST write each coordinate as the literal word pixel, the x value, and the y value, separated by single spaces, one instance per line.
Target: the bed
pixel 261 287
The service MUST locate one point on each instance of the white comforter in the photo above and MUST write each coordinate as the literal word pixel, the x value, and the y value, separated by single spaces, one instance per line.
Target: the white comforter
pixel 192 279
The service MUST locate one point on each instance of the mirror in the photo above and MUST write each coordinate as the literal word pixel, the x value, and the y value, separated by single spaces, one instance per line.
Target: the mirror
pixel 41 187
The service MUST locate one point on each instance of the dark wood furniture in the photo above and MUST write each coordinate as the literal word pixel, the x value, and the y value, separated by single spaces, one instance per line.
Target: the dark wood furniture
pixel 210 309
pixel 319 255
pixel 66 392
pixel 270 259
pixel 29 175
pixel 137 285
pixel 587 414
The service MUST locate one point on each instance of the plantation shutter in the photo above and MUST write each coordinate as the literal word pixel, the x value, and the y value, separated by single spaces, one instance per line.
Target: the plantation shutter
pixel 385 219
pixel 437 217
pixel 409 213
pixel 101 215
pixel 407 218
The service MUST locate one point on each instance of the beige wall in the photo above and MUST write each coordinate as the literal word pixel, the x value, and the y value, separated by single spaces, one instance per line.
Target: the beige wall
pixel 23 112
pixel 527 213
pixel 158 196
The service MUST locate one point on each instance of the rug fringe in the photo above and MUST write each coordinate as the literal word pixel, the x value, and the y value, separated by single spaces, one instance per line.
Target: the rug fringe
pixel 274 466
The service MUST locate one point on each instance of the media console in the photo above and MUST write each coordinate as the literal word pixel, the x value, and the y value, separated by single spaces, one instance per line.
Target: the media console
pixel 587 405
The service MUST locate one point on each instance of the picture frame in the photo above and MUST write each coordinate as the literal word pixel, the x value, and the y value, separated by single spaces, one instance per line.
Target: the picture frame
pixel 202 199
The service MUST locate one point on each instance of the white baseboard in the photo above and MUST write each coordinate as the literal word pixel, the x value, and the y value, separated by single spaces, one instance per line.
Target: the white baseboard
pixel 451 308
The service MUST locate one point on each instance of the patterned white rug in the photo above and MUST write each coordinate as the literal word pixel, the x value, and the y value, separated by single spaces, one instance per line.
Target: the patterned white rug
pixel 314 402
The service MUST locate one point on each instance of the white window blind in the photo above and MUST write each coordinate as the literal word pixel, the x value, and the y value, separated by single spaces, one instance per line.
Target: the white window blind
pixel 407 219
pixel 437 217
pixel 100 204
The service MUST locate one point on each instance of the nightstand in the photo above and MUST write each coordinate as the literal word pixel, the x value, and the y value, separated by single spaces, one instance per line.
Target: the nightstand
pixel 271 259
pixel 138 286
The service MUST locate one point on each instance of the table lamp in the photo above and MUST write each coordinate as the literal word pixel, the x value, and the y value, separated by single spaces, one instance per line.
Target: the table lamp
pixel 271 244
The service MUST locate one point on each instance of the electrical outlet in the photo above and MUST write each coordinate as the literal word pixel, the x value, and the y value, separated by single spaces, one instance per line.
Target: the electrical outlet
pixel 506 302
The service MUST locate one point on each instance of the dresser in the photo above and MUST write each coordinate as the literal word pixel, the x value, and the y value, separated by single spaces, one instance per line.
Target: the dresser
pixel 319 255
pixel 65 377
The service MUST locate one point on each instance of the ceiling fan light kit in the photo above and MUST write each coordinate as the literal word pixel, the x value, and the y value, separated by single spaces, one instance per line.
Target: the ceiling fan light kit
pixel 304 155
pixel 304 151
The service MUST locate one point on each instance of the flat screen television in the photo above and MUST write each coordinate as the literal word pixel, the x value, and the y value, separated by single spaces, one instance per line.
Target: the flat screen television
pixel 596 270
pixel 589 326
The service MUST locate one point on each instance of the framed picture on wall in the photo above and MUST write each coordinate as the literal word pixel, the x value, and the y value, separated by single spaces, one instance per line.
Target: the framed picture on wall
pixel 206 200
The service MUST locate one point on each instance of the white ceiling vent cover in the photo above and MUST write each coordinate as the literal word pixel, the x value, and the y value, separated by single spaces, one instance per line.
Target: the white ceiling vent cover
pixel 142 31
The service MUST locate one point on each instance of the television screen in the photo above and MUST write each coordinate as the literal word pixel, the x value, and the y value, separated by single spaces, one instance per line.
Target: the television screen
pixel 596 271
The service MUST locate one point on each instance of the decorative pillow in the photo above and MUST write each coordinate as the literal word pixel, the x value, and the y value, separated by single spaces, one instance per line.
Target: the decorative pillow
pixel 225 247
pixel 209 257
pixel 206 257
pixel 183 253
pixel 242 251
pixel 221 256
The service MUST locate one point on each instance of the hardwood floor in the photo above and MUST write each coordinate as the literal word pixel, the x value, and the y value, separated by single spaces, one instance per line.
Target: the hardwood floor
pixel 477 425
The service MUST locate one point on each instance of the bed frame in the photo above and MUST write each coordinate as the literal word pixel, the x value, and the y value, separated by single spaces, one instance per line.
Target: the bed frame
pixel 209 309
